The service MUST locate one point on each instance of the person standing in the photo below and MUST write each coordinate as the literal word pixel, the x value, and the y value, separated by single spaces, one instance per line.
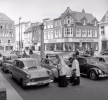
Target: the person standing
pixel 77 52
pixel 62 81
pixel 30 52
pixel 75 78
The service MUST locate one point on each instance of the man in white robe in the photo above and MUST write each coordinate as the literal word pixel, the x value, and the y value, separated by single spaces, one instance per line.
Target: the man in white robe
pixel 75 71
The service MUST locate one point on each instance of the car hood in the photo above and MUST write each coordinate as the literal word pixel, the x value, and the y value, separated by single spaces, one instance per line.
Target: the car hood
pixel 36 73
pixel 100 65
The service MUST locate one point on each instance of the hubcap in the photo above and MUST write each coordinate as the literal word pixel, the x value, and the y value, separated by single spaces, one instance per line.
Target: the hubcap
pixel 92 75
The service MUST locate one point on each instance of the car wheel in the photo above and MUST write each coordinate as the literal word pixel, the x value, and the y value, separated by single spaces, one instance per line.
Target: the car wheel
pixel 47 84
pixel 92 75
pixel 22 83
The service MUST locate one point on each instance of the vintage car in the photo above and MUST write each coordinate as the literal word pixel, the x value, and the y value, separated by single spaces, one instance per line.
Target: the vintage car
pixel 8 61
pixel 1 59
pixel 102 58
pixel 28 72
pixel 91 67
pixel 52 65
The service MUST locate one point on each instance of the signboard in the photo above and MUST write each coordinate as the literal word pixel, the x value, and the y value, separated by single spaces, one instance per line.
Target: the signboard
pixel 86 40
pixel 52 41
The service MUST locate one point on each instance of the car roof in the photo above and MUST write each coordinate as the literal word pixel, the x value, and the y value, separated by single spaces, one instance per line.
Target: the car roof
pixel 26 59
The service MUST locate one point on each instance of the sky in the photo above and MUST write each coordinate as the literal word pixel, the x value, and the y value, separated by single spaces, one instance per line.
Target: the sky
pixel 37 10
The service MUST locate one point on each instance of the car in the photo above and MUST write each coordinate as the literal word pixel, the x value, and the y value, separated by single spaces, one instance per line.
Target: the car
pixel 104 53
pixel 8 61
pixel 51 64
pixel 91 67
pixel 29 72
pixel 102 58
pixel 1 59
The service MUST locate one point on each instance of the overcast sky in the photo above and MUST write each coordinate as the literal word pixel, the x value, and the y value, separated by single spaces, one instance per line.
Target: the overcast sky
pixel 36 10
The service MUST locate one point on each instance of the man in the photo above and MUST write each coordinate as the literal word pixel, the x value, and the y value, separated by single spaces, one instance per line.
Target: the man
pixel 75 78
pixel 77 52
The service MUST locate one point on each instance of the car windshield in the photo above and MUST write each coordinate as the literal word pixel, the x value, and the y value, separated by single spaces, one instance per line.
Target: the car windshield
pixel 106 58
pixel 32 64
pixel 92 60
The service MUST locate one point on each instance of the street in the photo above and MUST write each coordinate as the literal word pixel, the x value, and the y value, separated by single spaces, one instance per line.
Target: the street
pixel 88 90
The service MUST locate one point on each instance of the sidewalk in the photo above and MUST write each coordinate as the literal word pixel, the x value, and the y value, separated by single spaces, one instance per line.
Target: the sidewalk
pixel 11 92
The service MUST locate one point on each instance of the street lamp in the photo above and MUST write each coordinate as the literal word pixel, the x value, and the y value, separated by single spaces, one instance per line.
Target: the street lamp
pixel 19 32
pixel 42 40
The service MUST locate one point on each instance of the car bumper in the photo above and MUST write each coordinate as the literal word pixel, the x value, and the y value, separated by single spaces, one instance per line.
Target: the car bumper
pixel 38 83
pixel 104 75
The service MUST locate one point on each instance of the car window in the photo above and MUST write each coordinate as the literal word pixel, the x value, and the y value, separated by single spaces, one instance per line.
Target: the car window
pixel 101 60
pixel 81 61
pixel 21 65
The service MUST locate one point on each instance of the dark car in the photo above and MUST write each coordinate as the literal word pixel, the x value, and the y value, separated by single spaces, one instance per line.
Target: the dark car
pixel 8 61
pixel 91 67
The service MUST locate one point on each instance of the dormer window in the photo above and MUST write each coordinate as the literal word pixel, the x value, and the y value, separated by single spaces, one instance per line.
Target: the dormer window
pixel 68 20
pixel 95 23
pixel 84 22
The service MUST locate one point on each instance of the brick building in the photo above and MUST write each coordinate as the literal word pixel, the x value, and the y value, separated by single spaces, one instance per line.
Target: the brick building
pixel 7 33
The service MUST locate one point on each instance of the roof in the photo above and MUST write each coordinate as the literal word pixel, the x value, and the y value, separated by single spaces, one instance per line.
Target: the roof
pixel 26 59
pixel 29 29
pixel 4 17
pixel 103 18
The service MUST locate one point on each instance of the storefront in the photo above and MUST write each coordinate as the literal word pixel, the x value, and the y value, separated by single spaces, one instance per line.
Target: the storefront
pixel 63 45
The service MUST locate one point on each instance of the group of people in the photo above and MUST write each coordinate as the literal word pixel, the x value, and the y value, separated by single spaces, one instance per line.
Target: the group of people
pixel 61 68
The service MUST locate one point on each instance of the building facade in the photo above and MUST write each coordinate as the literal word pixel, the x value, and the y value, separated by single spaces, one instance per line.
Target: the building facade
pixel 7 33
pixel 72 30
pixel 103 30
pixel 23 26
pixel 32 37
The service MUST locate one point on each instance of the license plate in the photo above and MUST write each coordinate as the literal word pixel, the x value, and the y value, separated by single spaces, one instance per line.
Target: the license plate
pixel 40 84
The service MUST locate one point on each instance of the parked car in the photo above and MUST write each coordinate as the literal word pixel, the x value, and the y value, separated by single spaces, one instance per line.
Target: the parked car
pixel 52 65
pixel 91 67
pixel 1 59
pixel 8 61
pixel 28 72
pixel 102 58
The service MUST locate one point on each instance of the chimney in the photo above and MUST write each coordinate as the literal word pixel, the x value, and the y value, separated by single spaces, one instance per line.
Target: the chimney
pixel 83 11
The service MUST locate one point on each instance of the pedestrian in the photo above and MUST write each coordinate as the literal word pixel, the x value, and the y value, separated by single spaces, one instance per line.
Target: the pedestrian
pixel 75 78
pixel 30 52
pixel 77 52
pixel 62 81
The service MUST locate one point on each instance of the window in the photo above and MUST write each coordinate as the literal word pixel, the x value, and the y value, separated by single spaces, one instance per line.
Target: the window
pixel 56 33
pixel 84 22
pixel 68 32
pixel 10 26
pixel 101 60
pixel 94 33
pixel 82 61
pixel 8 41
pixel 89 33
pixel 49 35
pixel 78 32
pixel 102 31
pixel 68 20
pixel 6 26
pixel 45 27
pixel 45 35
pixel 84 33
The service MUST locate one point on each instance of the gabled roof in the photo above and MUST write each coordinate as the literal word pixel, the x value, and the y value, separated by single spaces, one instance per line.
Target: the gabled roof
pixel 29 29
pixel 79 15
pixel 103 18
pixel 4 17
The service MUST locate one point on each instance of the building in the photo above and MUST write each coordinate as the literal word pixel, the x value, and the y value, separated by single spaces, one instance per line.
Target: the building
pixel 7 33
pixel 103 30
pixel 32 37
pixel 72 30
pixel 23 26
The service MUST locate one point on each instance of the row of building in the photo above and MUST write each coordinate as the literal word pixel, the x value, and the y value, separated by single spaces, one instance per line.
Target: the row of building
pixel 70 31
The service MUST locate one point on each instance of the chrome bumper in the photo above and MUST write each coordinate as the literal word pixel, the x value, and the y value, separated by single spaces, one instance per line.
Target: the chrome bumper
pixel 38 83
pixel 104 75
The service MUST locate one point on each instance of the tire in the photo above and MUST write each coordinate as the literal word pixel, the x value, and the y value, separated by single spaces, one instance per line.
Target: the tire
pixel 22 83
pixel 47 84
pixel 93 75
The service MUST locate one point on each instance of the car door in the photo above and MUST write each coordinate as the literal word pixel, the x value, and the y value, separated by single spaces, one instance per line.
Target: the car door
pixel 82 64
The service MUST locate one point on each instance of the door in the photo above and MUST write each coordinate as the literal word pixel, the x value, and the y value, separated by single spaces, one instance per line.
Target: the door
pixel 82 65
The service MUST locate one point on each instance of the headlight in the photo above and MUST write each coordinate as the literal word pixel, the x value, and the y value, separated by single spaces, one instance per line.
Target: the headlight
pixel 50 73
pixel 28 76
pixel 100 72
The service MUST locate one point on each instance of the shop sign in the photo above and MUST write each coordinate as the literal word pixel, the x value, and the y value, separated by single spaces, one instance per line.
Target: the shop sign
pixel 52 41
pixel 86 40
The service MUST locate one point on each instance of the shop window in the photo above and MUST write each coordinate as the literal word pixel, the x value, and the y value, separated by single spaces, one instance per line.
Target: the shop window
pixel 102 31
pixel 68 47
pixel 59 46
